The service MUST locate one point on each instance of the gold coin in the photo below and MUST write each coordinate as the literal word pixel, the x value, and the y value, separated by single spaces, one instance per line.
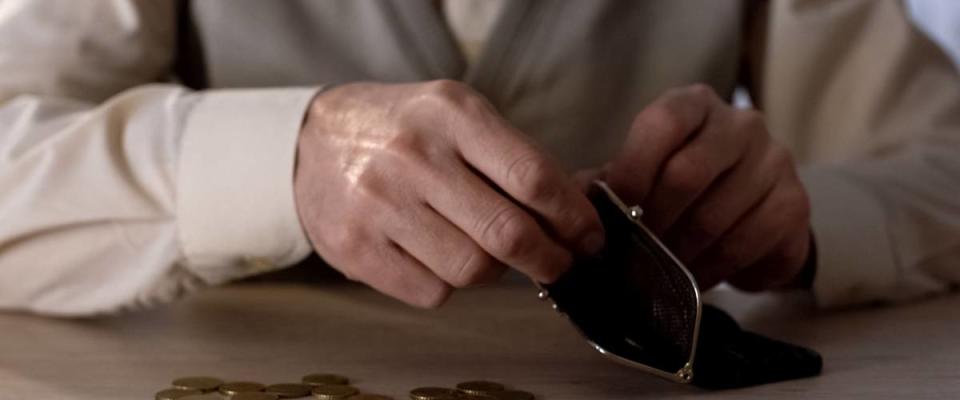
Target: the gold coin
pixel 201 383
pixel 478 396
pixel 288 390
pixel 370 397
pixel 254 396
pixel 513 395
pixel 432 393
pixel 479 387
pixel 205 396
pixel 325 379
pixel 173 394
pixel 333 392
pixel 232 388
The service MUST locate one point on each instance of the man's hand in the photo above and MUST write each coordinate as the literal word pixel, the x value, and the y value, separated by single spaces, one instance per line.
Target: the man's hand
pixel 418 188
pixel 724 196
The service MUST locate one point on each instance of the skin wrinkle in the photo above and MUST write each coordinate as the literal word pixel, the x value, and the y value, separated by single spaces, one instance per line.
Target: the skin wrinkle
pixel 679 126
pixel 396 147
pixel 387 140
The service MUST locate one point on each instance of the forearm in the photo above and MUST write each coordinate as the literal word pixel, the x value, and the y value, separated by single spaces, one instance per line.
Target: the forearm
pixel 887 229
pixel 876 126
pixel 116 192
pixel 153 193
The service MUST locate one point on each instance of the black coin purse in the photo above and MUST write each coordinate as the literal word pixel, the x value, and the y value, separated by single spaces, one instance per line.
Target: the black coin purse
pixel 638 305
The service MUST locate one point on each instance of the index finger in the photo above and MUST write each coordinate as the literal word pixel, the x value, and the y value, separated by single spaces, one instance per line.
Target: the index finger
pixel 527 174
pixel 657 132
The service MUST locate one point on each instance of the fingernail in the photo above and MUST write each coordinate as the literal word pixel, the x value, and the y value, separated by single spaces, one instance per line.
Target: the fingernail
pixel 593 243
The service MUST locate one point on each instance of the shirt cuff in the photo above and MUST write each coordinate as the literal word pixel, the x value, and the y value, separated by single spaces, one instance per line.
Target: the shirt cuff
pixel 236 211
pixel 855 259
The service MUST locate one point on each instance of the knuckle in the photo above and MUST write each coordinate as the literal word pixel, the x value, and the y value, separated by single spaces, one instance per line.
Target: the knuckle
pixel 661 118
pixel 457 98
pixel 582 221
pixel 530 174
pixel 732 253
pixel 507 233
pixel 752 125
pixel 701 90
pixel 750 117
pixel 709 224
pixel 685 174
pixel 473 103
pixel 777 226
pixel 375 189
pixel 367 180
pixel 471 270
pixel 405 137
pixel 447 92
pixel 780 157
pixel 414 149
pixel 447 87
pixel 405 141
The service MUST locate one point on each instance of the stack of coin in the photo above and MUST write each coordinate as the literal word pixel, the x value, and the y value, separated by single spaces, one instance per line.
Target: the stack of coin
pixel 202 383
pixel 289 390
pixel 320 386
pixel 433 393
pixel 325 387
pixel 235 388
pixel 325 379
pixel 477 390
pixel 334 392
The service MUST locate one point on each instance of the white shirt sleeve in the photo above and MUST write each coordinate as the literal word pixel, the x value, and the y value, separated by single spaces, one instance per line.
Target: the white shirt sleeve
pixel 116 192
pixel 878 119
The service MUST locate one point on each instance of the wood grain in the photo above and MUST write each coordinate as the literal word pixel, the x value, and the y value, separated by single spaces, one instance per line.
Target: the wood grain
pixel 275 333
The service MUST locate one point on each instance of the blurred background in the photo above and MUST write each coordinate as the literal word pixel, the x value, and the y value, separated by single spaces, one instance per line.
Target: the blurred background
pixel 941 20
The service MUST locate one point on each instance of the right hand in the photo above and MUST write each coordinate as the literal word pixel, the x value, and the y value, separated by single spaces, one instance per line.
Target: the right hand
pixel 417 188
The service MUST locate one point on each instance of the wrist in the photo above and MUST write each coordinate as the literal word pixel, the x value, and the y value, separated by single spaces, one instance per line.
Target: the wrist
pixel 235 197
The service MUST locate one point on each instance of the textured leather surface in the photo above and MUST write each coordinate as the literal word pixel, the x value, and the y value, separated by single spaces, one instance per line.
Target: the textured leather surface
pixel 635 301
pixel 729 357
pixel 631 299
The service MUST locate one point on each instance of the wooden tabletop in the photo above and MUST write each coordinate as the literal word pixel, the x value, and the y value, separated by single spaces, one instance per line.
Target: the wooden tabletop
pixel 276 333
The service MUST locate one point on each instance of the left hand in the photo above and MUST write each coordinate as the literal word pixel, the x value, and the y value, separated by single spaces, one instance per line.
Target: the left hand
pixel 715 186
